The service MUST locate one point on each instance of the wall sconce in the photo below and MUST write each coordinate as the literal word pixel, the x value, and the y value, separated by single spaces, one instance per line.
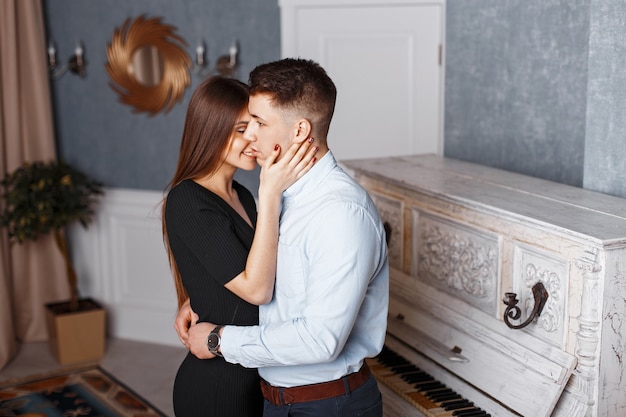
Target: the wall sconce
pixel 75 64
pixel 225 65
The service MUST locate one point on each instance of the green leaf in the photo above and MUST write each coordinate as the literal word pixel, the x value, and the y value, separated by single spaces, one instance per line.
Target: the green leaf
pixel 40 197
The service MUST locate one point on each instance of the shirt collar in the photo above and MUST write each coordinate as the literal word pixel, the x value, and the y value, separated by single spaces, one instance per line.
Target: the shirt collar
pixel 319 170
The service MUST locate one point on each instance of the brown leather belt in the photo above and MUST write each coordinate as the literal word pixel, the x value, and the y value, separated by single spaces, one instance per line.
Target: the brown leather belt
pixel 314 392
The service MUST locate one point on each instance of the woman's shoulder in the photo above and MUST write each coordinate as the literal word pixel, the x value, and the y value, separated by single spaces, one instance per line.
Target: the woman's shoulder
pixel 187 194
pixel 181 189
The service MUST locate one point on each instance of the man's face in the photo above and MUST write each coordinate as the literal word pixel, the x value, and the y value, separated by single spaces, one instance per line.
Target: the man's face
pixel 267 128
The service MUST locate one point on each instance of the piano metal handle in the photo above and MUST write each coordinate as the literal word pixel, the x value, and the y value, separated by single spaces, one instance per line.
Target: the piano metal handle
pixel 540 294
pixel 453 355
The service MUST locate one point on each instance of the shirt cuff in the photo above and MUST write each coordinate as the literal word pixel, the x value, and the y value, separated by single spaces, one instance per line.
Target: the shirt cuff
pixel 232 340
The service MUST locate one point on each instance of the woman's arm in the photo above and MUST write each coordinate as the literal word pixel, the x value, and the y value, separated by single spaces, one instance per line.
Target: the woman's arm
pixel 256 283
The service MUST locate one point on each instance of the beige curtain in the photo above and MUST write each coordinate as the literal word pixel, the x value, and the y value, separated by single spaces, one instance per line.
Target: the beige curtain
pixel 31 274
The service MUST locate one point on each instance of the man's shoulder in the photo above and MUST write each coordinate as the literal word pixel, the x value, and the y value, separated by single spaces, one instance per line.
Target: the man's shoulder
pixel 342 180
pixel 349 190
pixel 342 192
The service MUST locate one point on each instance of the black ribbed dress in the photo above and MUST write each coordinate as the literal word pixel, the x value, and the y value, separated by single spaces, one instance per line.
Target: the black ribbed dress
pixel 210 243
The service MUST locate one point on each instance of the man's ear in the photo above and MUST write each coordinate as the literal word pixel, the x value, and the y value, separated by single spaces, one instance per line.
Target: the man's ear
pixel 303 130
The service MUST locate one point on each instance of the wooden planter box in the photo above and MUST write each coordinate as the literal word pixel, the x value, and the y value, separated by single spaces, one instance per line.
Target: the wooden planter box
pixel 76 336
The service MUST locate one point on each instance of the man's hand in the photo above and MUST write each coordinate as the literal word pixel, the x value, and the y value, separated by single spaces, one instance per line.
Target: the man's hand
pixel 184 319
pixel 196 340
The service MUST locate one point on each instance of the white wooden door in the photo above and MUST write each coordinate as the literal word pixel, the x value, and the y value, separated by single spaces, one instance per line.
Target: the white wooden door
pixel 386 60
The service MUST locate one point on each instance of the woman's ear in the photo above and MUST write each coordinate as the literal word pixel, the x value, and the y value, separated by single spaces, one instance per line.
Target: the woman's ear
pixel 303 130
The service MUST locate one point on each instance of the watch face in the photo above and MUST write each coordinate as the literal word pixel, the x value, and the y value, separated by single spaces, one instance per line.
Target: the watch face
pixel 213 341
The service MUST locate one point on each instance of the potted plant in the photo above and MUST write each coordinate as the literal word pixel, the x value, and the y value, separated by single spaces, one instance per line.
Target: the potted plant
pixel 45 197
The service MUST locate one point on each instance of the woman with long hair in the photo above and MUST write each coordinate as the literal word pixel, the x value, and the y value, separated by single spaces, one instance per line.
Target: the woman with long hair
pixel 222 252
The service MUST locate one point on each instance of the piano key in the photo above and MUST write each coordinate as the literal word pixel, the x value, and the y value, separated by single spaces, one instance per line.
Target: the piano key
pixel 443 390
pixel 421 389
pixel 460 404
pixel 427 386
pixel 442 393
pixel 401 369
pixel 470 413
pixel 418 377
pixel 418 398
pixel 468 408
pixel 453 402
pixel 436 397
pixel 444 412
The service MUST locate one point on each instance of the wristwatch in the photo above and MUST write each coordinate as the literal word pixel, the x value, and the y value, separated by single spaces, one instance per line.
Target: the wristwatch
pixel 213 341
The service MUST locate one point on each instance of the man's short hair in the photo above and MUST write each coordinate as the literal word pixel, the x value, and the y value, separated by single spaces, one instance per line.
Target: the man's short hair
pixel 299 86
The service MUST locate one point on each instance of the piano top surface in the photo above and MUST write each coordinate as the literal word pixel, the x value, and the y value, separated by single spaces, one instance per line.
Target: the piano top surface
pixel 590 214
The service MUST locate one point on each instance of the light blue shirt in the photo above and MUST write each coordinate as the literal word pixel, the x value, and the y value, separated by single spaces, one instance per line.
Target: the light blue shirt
pixel 329 310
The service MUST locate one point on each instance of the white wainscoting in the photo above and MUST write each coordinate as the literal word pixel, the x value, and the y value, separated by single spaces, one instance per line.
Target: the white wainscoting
pixel 121 262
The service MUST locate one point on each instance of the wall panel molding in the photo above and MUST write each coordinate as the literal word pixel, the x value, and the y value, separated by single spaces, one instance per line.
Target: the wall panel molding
pixel 122 263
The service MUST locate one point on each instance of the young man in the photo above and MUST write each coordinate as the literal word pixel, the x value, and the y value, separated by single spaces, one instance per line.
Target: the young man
pixel 329 310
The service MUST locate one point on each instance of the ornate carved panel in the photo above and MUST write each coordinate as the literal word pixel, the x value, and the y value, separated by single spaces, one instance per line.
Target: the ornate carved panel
pixel 390 211
pixel 458 259
pixel 530 266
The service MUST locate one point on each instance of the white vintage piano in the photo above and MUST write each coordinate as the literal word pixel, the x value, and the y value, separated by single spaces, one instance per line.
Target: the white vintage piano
pixel 507 292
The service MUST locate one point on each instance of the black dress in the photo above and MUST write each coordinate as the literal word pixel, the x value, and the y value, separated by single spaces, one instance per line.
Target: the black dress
pixel 210 243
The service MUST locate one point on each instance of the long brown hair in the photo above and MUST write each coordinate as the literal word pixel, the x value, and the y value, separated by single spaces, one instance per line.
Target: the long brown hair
pixel 213 110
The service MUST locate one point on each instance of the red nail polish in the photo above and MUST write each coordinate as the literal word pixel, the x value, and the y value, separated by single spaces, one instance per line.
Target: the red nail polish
pixel 276 147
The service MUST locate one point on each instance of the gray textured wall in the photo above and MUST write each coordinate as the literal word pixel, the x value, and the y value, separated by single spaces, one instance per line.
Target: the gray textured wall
pixel 532 86
pixel 516 85
pixel 539 87
pixel 105 138
pixel 605 147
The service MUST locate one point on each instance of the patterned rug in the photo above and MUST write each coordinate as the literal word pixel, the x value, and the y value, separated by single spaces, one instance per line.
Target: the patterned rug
pixel 81 392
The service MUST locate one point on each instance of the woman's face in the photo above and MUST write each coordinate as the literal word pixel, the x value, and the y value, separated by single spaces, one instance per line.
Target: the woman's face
pixel 239 154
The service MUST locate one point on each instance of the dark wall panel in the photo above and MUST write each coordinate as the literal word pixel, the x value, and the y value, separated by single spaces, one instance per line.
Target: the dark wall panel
pixel 104 137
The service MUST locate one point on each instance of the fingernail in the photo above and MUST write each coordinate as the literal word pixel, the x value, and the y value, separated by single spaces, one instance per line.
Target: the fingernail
pixel 276 147
pixel 314 159
pixel 310 140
